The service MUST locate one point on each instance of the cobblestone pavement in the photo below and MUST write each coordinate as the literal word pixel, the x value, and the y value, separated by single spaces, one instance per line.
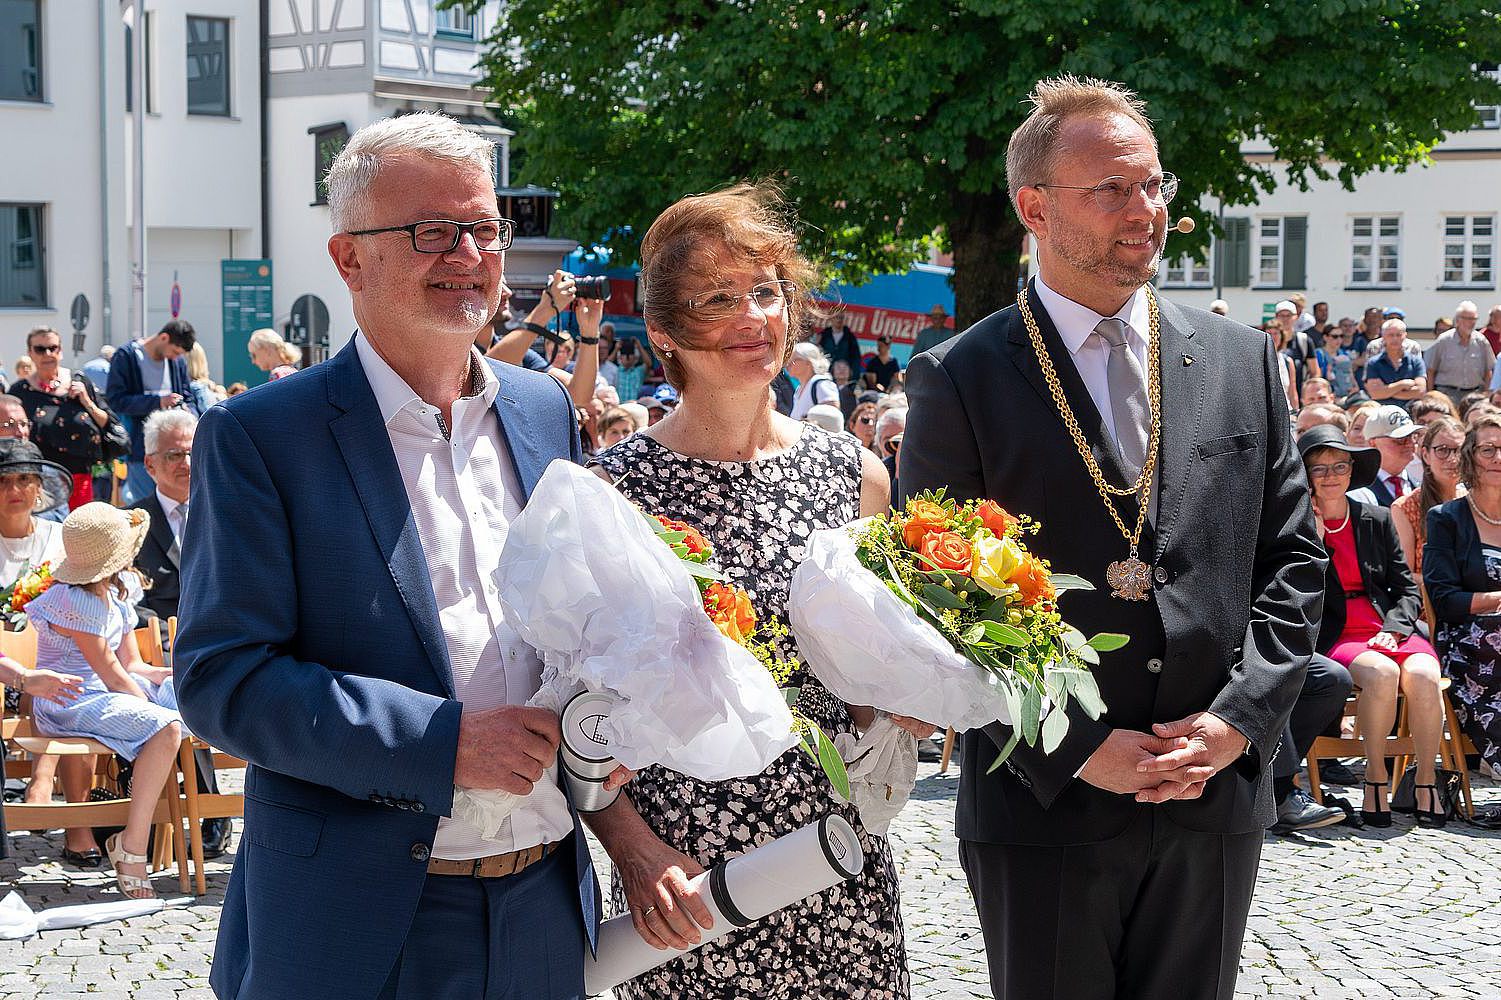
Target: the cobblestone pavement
pixel 1338 913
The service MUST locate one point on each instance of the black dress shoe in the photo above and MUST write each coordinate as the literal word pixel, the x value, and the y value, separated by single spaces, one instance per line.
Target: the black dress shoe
pixel 1335 773
pixel 1300 812
pixel 215 837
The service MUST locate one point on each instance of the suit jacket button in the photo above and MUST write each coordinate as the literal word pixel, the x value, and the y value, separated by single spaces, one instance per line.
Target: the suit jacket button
pixel 1154 665
pixel 420 853
pixel 375 797
pixel 1160 575
pixel 418 807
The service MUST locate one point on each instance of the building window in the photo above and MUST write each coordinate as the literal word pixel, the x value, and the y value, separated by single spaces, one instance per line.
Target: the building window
pixel 328 142
pixel 20 50
pixel 1489 115
pixel 23 271
pixel 149 85
pixel 454 23
pixel 1469 251
pixel 1186 272
pixel 208 66
pixel 1376 251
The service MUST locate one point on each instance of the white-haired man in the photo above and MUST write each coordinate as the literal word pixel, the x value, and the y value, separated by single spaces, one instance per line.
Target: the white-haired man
pixel 343 633
pixel 1459 362
pixel 1396 376
pixel 1088 864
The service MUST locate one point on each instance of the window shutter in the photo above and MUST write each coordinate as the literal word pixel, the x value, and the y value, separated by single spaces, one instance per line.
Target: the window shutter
pixel 1233 261
pixel 1294 251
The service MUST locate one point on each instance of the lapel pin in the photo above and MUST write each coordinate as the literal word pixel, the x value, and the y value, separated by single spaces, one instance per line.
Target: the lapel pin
pixel 1188 359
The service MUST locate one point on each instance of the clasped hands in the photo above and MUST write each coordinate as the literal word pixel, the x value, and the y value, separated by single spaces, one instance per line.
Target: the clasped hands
pixel 1174 761
pixel 511 748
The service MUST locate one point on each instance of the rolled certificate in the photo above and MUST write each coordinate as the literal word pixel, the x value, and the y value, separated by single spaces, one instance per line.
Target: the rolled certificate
pixel 740 892
pixel 587 759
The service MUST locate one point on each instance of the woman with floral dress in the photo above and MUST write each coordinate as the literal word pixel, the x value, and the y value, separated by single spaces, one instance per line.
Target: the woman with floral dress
pixel 725 295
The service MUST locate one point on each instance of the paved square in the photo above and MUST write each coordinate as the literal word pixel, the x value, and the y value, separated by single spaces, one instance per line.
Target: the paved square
pixel 1339 913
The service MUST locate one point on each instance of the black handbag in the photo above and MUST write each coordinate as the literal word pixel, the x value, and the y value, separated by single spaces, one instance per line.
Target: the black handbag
pixel 1450 789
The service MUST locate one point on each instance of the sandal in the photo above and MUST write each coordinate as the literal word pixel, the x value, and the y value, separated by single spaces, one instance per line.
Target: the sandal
pixel 1380 818
pixel 83 859
pixel 131 886
pixel 1434 819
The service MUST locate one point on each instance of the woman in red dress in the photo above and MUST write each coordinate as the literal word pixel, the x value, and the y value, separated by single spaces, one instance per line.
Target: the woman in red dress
pixel 1371 611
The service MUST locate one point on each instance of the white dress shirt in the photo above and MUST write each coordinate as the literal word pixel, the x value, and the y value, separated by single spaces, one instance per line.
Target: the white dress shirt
pixel 177 516
pixel 464 493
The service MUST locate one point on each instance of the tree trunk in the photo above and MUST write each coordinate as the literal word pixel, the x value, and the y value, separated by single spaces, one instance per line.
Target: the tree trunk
pixel 987 241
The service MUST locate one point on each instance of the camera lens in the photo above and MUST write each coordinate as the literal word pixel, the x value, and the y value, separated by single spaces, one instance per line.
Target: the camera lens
pixel 591 286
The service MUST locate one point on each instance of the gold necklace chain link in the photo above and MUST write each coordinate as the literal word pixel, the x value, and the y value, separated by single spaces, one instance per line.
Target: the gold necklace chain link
pixel 1142 488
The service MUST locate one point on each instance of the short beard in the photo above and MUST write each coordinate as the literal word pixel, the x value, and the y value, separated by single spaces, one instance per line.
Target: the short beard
pixel 1078 253
pixel 473 317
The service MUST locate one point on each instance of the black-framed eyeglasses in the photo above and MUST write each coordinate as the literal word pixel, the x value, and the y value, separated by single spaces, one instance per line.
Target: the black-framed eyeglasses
pixel 1113 193
pixel 1487 453
pixel 1336 469
pixel 443 235
pixel 1444 452
pixel 46 348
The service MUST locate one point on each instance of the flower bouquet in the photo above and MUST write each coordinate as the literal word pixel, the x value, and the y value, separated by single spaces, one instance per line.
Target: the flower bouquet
pixel 28 586
pixel 941 613
pixel 603 595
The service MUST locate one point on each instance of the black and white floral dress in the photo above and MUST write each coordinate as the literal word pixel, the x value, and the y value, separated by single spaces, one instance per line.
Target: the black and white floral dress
pixel 846 943
pixel 1472 659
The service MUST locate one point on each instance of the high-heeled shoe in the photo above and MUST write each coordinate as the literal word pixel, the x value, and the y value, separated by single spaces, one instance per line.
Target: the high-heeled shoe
pixel 1380 818
pixel 1434 819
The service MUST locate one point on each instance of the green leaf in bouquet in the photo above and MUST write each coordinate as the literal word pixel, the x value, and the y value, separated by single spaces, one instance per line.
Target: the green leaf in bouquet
pixel 895 580
pixel 934 594
pixel 1054 728
pixel 1006 634
pixel 1087 692
pixel 790 694
pixel 703 572
pixel 1031 714
pixel 833 765
pixel 1072 637
pixel 1056 685
pixel 1068 581
pixel 1108 642
pixel 673 536
pixel 1000 758
pixel 975 633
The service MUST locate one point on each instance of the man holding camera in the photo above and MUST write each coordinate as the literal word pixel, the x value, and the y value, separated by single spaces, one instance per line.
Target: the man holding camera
pixel 147 375
pixel 587 296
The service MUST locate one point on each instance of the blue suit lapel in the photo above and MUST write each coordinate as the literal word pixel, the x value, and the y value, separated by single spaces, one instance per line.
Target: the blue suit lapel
pixel 527 457
pixel 366 449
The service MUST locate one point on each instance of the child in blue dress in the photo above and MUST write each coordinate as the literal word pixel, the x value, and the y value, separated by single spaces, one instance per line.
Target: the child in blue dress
pixel 85 627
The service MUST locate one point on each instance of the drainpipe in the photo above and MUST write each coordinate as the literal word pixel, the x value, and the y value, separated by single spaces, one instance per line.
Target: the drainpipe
pixel 138 196
pixel 105 305
pixel 265 73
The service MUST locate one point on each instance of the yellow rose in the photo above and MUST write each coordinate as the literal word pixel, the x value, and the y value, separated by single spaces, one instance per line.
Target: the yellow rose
pixel 992 564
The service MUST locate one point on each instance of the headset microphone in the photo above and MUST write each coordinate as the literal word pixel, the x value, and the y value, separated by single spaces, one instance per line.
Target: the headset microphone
pixel 1183 225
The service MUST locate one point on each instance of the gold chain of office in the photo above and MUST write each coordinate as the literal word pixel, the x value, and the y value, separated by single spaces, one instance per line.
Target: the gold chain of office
pixel 1127 579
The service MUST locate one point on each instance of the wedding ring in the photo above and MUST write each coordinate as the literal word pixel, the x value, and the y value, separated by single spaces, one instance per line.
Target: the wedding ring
pixel 648 912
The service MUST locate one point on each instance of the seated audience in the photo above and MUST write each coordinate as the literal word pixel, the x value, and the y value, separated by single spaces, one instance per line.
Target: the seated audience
pixel 1394 375
pixel 1389 430
pixel 1438 448
pixel 862 423
pixel 1462 571
pixel 48 685
pixel 1371 611
pixel 85 628
pixel 1358 414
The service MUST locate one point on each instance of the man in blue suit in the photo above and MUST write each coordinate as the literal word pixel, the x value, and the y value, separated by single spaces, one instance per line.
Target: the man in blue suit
pixel 342 632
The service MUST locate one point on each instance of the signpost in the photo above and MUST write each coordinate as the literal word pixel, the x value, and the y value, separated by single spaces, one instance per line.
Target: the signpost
pixel 246 294
pixel 309 322
pixel 79 313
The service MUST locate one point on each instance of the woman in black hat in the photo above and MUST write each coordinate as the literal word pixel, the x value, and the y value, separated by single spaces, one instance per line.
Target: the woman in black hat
pixel 29 485
pixel 1371 610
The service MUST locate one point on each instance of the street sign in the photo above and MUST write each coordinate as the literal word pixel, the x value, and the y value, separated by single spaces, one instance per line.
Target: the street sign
pixel 79 312
pixel 309 322
pixel 176 300
pixel 247 307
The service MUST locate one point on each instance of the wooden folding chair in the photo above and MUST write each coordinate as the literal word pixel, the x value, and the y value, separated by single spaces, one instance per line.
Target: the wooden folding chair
pixel 199 806
pixel 948 750
pixel 112 812
pixel 1398 745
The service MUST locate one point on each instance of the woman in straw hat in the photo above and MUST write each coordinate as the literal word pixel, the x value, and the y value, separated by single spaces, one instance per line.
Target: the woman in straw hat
pixel 85 626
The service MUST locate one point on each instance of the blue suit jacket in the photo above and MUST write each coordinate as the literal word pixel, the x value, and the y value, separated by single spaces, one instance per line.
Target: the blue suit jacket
pixel 311 648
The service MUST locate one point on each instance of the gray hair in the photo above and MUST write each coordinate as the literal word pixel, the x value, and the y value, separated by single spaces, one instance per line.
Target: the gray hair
pixel 889 423
pixel 166 420
pixel 1467 305
pixel 812 354
pixel 423 133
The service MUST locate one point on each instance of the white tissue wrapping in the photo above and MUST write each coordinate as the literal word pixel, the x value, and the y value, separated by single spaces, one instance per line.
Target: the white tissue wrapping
pixel 882 768
pixel 586 581
pixel 760 882
pixel 869 648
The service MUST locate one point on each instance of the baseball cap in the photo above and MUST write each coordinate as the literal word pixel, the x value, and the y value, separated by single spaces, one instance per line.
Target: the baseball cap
pixel 665 394
pixel 1390 422
pixel 1392 312
pixel 1285 306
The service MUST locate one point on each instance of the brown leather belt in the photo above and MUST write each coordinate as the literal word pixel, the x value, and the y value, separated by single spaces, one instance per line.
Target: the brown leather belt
pixel 495 866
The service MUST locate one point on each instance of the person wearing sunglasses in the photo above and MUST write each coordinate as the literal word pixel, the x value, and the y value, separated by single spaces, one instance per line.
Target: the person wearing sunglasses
pixel 1370 626
pixel 69 418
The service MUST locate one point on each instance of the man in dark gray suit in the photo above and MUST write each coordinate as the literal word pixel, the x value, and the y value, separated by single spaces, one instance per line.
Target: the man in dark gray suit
pixel 1122 865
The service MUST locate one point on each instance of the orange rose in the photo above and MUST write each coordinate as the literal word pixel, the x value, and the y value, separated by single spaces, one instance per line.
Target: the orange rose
pixel 946 550
pixel 994 517
pixel 923 517
pixel 1032 583
pixel 729 608
pixel 693 540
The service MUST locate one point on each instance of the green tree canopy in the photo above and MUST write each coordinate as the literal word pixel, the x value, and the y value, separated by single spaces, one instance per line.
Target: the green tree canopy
pixel 887 122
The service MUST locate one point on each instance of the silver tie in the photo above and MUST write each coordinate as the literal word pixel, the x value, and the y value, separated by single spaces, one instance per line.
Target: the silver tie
pixel 1128 397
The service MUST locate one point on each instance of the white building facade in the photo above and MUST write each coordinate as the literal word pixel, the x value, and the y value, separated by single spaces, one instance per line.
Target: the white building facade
pixel 65 190
pixel 1422 240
